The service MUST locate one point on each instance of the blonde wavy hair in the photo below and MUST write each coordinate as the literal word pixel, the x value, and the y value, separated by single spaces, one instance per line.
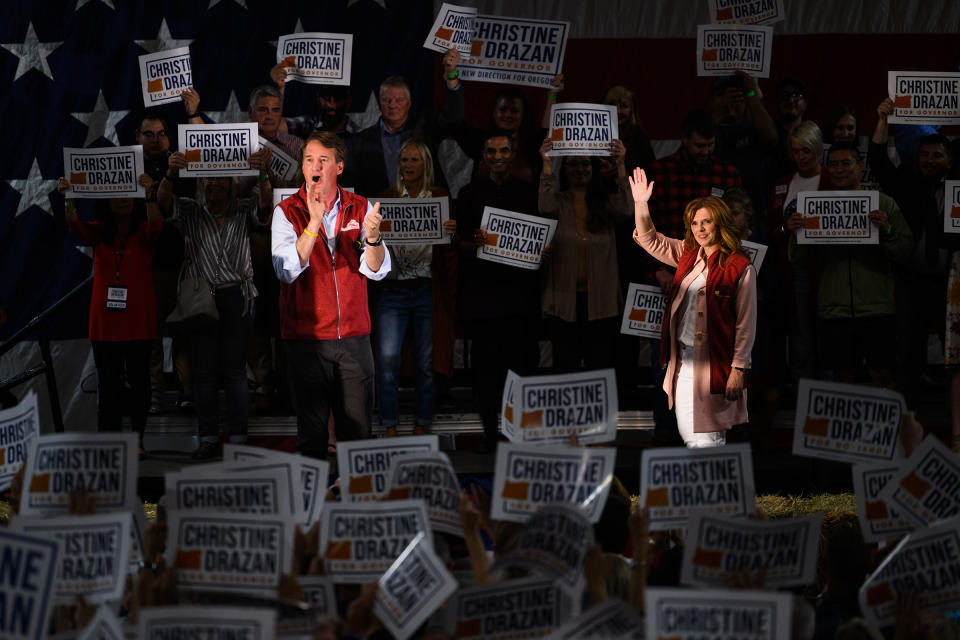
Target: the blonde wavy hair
pixel 429 180
pixel 723 221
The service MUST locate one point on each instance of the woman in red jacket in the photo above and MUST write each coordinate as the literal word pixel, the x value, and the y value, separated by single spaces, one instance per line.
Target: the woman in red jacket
pixel 123 307
pixel 711 319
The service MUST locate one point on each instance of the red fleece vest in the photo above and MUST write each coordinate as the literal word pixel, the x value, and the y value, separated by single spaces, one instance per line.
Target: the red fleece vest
pixel 328 300
pixel 721 292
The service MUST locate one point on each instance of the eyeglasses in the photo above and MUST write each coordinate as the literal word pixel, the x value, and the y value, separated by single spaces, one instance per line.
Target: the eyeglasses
pixel 796 95
pixel 150 135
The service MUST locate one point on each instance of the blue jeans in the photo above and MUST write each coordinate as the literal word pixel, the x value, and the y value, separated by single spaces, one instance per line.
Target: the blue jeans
pixel 399 306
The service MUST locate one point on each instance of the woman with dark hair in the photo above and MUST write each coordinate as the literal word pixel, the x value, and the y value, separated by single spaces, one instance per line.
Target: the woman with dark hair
pixel 123 307
pixel 216 230
pixel 635 139
pixel 581 294
pixel 510 112
pixel 840 125
pixel 711 318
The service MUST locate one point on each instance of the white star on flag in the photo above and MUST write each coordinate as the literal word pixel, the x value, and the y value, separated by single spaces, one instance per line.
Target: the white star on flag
pixel 101 122
pixel 33 190
pixel 296 29
pixel 32 53
pixel 233 112
pixel 359 120
pixel 242 3
pixel 80 3
pixel 164 40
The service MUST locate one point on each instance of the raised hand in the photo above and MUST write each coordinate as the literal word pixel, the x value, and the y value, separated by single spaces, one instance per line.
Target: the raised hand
pixel 639 187
pixel 371 224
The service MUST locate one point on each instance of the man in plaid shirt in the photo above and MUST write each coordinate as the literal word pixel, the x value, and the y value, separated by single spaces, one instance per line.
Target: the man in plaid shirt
pixel 692 172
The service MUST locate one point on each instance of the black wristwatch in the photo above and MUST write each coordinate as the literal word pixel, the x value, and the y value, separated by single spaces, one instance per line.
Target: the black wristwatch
pixel 375 244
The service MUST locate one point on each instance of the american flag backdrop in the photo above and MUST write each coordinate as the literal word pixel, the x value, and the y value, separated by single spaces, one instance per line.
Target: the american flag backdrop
pixel 69 77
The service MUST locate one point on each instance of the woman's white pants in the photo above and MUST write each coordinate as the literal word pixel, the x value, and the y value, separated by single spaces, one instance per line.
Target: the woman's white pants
pixel 683 405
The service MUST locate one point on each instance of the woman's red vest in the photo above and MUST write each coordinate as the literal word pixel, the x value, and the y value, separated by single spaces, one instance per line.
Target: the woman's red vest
pixel 721 291
pixel 328 300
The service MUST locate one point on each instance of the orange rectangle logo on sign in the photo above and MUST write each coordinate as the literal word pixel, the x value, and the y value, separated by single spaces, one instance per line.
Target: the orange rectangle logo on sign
pixel 811 222
pixel 901 102
pixel 193 155
pixel 492 239
pixel 709 55
pixel 508 413
pixel 361 484
pixel 189 559
pixel 78 178
pixel 154 85
pixel 638 315
pixel 531 419
pixel 556 135
pixel 879 594
pixel 400 493
pixel 476 48
pixel 289 61
pixel 444 34
pixel 339 550
pixel 386 225
pixel 516 490
pixel 725 14
pixel 657 497
pixel 710 559
pixel 816 426
pixel 955 212
pixel 876 510
pixel 3 455
pixel 40 483
pixel 468 628
pixel 915 485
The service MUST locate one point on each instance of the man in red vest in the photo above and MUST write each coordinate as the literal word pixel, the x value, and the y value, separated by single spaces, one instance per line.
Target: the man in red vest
pixel 325 244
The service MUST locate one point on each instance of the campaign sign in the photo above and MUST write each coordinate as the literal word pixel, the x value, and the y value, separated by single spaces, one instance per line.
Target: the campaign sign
pixel 524 608
pixel 702 614
pixel 553 408
pixel 515 51
pixel 104 626
pixel 19 428
pixel 26 584
pixel 414 586
pixel 723 49
pixel 318 592
pixel 184 621
pixel 924 97
pixel 414 220
pixel 643 311
pixel 429 477
pixel 232 552
pixel 926 562
pixel 316 58
pixel 951 206
pixel 109 172
pixel 926 488
pixel 580 129
pixel 104 464
pixel 281 194
pixel 529 476
pixel 93 559
pixel 514 239
pixel 364 464
pixel 756 252
pixel 847 422
pixel 236 491
pixel 218 150
pixel 746 11
pixel 612 619
pixel 313 474
pixel 553 541
pixel 165 75
pixel 360 541
pixel 453 29
pixel 676 481
pixel 282 165
pixel 838 217
pixel 785 551
pixel 878 521
pixel 138 526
